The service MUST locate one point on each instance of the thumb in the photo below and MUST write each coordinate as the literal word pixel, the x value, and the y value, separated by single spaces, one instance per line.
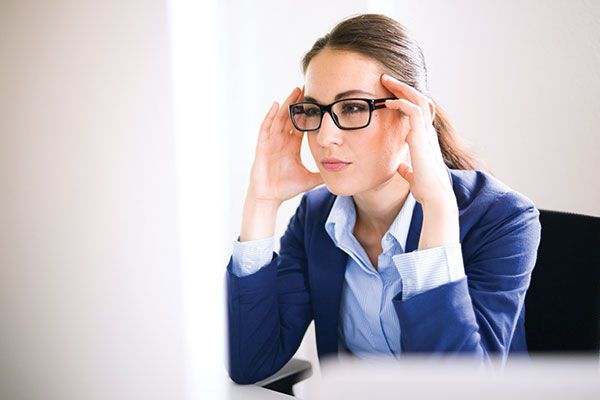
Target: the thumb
pixel 406 171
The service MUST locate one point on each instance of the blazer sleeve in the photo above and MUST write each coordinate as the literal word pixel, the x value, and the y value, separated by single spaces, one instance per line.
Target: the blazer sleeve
pixel 479 314
pixel 270 310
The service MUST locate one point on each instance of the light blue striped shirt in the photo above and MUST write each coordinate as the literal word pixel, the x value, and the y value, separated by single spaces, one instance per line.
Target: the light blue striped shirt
pixel 368 321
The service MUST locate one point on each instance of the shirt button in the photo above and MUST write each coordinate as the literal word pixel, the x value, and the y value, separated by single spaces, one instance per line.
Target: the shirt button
pixel 409 281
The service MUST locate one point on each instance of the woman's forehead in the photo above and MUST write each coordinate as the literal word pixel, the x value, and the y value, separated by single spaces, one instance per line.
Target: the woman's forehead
pixel 332 72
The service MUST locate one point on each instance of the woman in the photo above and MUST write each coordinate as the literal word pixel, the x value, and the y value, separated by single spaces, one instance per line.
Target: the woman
pixel 407 248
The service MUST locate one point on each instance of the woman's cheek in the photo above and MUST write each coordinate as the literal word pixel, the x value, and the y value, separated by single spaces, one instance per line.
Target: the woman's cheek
pixel 397 144
pixel 391 152
pixel 383 165
pixel 402 155
pixel 314 148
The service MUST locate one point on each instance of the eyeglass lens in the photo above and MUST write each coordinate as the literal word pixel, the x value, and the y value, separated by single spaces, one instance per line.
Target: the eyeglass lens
pixel 351 113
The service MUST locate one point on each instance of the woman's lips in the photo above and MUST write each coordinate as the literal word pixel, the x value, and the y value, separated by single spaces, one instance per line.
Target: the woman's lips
pixel 334 164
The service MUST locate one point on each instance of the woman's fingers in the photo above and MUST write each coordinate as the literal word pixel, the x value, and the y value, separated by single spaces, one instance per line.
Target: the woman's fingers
pixel 265 126
pixel 422 139
pixel 415 115
pixel 291 126
pixel 288 128
pixel 406 171
pixel 417 107
pixel 401 89
pixel 398 87
pixel 282 116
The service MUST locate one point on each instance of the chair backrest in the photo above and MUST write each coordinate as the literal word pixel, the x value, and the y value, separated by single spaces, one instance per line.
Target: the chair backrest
pixel 562 306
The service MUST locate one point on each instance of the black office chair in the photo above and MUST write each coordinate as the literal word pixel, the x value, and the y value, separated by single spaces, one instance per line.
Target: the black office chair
pixel 282 381
pixel 562 306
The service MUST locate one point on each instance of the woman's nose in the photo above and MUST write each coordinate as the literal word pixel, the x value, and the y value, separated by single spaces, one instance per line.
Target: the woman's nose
pixel 329 133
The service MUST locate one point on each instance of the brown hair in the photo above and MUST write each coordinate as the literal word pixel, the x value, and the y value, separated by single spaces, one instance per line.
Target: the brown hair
pixel 385 40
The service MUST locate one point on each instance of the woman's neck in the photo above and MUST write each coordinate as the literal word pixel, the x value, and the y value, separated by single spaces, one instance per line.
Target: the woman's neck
pixel 377 208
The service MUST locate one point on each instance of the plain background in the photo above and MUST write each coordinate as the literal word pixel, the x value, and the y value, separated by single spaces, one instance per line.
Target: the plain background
pixel 127 130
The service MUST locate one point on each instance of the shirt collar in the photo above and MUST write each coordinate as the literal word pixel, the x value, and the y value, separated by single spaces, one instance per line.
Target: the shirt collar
pixel 342 217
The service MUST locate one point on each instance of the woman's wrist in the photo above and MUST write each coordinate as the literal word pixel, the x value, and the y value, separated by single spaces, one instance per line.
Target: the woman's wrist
pixel 258 220
pixel 441 202
pixel 440 225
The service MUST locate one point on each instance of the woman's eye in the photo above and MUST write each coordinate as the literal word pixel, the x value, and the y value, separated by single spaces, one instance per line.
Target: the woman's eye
pixel 312 111
pixel 352 108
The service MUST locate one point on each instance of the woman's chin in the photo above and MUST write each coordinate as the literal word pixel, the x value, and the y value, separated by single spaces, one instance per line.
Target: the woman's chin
pixel 341 188
pixel 352 187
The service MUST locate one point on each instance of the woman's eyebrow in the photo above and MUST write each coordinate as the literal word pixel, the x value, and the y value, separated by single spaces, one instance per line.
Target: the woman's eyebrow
pixel 352 92
pixel 308 98
pixel 342 95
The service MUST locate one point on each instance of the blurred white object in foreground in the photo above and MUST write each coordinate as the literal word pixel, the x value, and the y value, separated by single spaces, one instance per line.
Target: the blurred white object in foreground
pixel 437 378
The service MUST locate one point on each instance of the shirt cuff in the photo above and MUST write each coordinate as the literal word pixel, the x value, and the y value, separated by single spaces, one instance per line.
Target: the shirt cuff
pixel 248 257
pixel 423 270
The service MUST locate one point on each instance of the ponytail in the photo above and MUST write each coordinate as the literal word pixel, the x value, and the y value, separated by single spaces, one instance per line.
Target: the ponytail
pixel 455 153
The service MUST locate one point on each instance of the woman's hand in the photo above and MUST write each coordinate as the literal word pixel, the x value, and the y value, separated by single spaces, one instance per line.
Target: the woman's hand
pixel 428 175
pixel 278 173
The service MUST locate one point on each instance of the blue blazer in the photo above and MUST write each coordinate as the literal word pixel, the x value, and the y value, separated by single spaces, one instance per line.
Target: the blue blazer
pixel 270 310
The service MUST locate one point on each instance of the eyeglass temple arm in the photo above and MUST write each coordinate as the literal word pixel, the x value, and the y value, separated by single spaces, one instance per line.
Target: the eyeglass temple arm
pixel 380 103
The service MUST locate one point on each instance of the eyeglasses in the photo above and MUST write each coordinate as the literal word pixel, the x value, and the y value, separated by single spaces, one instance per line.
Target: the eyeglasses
pixel 347 114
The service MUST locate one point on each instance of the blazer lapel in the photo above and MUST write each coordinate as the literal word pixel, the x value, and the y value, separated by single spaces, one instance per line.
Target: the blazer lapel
pixel 327 266
pixel 414 232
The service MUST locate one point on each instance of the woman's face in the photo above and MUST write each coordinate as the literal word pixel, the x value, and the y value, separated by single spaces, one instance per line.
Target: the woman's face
pixel 369 156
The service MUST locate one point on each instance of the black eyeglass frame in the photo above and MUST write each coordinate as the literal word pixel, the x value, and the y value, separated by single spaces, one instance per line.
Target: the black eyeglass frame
pixel 373 105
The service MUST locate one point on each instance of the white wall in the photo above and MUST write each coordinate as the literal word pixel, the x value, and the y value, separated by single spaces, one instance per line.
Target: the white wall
pixel 90 302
